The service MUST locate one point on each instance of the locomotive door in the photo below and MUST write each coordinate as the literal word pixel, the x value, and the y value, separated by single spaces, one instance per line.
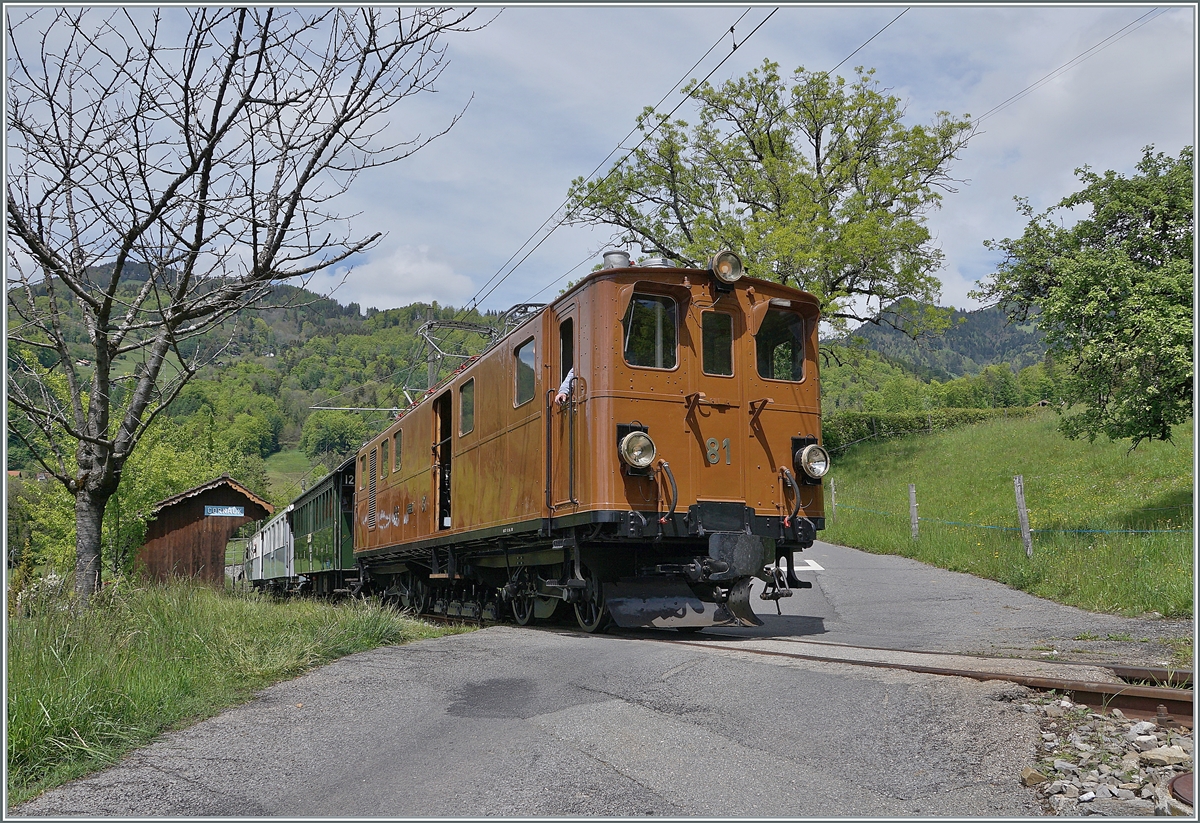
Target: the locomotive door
pixel 714 413
pixel 562 465
pixel 442 448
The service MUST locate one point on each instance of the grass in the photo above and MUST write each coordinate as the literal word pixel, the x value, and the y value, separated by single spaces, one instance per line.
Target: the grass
pixel 286 470
pixel 1182 652
pixel 1112 528
pixel 84 689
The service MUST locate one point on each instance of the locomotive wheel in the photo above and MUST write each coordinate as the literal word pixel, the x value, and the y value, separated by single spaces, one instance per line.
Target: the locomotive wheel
pixel 522 607
pixel 418 595
pixel 590 612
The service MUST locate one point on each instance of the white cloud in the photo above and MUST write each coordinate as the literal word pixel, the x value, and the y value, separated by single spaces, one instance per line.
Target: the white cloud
pixel 556 88
pixel 403 275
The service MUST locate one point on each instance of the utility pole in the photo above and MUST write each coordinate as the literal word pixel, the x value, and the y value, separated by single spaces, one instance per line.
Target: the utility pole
pixel 433 355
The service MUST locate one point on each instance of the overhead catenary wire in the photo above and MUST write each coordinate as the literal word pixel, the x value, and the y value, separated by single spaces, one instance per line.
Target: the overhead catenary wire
pixel 868 40
pixel 473 303
pixel 1125 30
pixel 628 154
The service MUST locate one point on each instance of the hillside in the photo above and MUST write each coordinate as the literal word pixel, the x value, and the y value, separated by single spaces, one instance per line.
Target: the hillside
pixel 975 340
pixel 267 367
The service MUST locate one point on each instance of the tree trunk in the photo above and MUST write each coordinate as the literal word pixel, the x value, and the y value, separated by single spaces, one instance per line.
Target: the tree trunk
pixel 89 515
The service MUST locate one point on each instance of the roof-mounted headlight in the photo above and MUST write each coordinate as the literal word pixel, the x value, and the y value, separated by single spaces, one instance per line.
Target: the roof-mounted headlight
pixel 637 450
pixel 813 461
pixel 727 266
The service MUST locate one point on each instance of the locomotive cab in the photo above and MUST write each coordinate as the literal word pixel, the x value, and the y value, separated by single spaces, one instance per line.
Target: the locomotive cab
pixel 694 393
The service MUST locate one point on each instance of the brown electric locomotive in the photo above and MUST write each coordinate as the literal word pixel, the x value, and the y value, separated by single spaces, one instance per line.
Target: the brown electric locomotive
pixel 683 461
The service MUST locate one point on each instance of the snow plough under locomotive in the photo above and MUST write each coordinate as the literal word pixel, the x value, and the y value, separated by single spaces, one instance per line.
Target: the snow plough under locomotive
pixel 685 461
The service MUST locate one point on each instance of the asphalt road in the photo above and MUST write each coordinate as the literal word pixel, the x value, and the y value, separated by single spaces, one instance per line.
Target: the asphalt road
pixel 513 722
pixel 893 602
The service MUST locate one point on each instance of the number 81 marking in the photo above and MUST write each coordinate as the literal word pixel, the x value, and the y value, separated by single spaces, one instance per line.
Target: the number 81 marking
pixel 714 450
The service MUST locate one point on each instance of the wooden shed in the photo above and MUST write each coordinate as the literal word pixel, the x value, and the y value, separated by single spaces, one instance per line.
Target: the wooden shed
pixel 188 535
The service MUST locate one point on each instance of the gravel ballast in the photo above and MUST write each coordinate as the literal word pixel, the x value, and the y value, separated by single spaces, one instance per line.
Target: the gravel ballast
pixel 1105 764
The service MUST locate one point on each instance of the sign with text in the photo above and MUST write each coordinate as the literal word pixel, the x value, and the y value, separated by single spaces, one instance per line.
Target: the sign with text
pixel 224 511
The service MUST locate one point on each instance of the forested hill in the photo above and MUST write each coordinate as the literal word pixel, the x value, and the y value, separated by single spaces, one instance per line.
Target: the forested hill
pixel 975 340
pixel 267 367
pixel 267 371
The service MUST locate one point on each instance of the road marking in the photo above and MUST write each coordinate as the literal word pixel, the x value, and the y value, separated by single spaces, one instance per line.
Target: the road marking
pixel 805 565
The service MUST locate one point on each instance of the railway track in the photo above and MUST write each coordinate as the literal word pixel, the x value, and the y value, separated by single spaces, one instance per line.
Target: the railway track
pixel 1166 705
pixel 1141 692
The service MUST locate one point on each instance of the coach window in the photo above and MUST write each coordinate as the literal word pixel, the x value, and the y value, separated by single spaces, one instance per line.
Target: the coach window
pixel 384 462
pixel 466 407
pixel 649 331
pixel 397 441
pixel 526 375
pixel 717 334
pixel 780 346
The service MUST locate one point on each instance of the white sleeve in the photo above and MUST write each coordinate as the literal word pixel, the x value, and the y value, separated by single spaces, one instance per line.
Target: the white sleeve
pixel 565 388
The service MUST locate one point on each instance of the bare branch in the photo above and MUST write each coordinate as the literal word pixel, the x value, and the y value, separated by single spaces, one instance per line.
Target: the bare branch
pixel 157 186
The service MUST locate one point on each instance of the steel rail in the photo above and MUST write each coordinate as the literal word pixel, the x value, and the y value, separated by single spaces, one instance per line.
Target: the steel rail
pixel 1180 678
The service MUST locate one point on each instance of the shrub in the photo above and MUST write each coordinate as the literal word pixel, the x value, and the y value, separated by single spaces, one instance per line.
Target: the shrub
pixel 843 429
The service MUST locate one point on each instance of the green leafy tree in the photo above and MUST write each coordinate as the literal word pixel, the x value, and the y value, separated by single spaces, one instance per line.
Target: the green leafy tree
pixel 1115 296
pixel 328 435
pixel 249 434
pixel 816 181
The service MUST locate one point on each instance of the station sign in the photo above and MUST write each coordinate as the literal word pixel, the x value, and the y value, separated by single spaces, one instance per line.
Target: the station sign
pixel 224 511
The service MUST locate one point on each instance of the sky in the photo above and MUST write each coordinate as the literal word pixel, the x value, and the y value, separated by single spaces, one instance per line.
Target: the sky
pixel 547 94
pixel 551 91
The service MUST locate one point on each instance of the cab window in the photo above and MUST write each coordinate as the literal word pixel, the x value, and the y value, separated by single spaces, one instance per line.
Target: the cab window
pixel 780 346
pixel 649 332
pixel 466 407
pixel 717 335
pixel 398 440
pixel 526 374
pixel 384 462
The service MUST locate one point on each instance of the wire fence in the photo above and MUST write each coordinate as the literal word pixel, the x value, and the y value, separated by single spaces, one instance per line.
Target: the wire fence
pixel 1187 530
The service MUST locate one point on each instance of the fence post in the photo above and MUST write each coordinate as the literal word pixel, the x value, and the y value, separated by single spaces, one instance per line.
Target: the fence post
pixel 832 499
pixel 1023 515
pixel 912 507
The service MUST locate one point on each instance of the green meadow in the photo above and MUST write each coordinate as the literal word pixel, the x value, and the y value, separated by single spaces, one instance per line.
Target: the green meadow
pixel 1112 527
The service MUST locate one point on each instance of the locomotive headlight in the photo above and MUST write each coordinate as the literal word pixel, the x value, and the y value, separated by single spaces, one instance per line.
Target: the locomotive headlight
pixel 637 449
pixel 813 461
pixel 727 266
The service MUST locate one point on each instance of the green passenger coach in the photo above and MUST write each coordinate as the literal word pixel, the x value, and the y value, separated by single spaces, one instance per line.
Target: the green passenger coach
pixel 322 539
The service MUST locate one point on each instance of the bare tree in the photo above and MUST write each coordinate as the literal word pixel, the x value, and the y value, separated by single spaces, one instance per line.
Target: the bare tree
pixel 165 169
